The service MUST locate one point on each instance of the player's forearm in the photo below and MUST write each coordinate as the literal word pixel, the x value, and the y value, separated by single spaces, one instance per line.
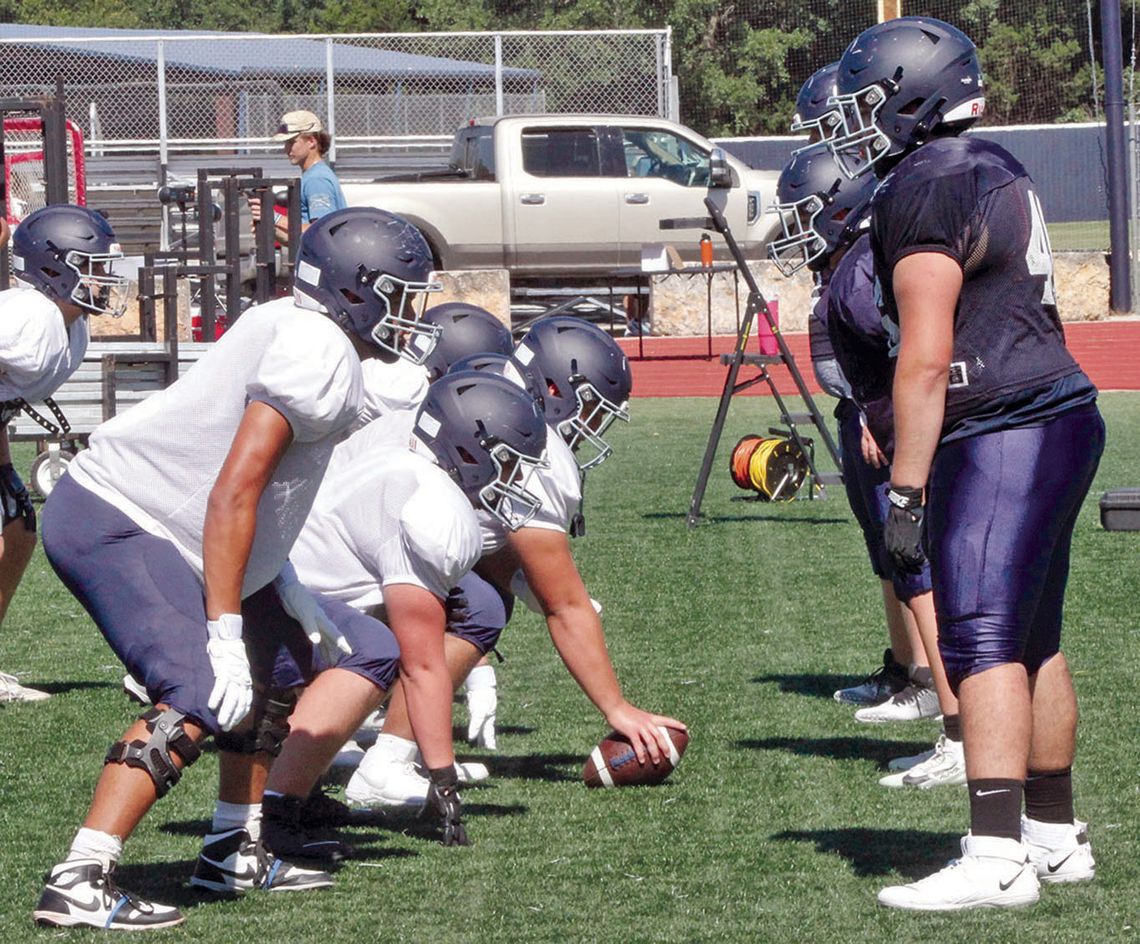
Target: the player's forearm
pixel 5 447
pixel 428 690
pixel 920 403
pixel 227 538
pixel 577 634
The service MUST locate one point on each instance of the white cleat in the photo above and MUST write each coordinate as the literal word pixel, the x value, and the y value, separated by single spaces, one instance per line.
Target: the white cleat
pixel 12 691
pixel 1059 852
pixel 83 893
pixel 946 767
pixel 471 771
pixel 911 704
pixel 387 776
pixel 992 873
pixel 913 760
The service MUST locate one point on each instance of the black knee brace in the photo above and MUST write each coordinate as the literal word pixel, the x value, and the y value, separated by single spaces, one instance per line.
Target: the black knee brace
pixel 153 755
pixel 270 726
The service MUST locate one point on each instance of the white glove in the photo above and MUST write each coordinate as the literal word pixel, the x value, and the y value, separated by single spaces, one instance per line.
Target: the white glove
pixel 232 694
pixel 482 703
pixel 304 607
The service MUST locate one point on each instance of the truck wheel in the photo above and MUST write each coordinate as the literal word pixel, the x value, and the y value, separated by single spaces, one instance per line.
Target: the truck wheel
pixel 47 468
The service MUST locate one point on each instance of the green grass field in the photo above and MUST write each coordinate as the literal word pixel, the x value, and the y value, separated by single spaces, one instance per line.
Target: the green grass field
pixel 772 829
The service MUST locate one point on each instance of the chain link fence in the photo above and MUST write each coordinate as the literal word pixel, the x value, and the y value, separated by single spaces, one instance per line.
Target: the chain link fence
pixel 171 93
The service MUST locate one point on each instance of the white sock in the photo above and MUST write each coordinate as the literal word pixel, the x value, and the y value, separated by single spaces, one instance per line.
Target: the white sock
pixel 94 844
pixel 245 816
pixel 482 676
pixel 1047 834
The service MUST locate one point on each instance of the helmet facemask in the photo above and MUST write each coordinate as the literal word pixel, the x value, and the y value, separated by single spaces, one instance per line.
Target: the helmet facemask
pixel 97 289
pixel 819 129
pixel 584 432
pixel 506 496
pixel 400 329
pixel 803 243
pixel 859 142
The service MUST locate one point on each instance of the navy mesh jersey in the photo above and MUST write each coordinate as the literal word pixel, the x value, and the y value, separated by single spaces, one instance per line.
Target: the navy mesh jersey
pixel 861 340
pixel 971 200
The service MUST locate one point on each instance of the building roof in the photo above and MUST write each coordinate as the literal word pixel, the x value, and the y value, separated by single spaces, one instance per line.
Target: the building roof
pixel 248 54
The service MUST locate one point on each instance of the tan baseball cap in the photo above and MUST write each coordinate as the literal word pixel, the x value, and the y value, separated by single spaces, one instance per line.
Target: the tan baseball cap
pixel 294 123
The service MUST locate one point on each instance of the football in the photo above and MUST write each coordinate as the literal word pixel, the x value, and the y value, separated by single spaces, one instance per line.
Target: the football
pixel 613 762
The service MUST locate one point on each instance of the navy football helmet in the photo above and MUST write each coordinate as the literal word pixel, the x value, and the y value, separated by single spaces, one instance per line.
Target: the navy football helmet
pixel 502 365
pixel 585 381
pixel 900 83
pixel 464 329
pixel 821 210
pixel 369 270
pixel 67 252
pixel 489 436
pixel 815 114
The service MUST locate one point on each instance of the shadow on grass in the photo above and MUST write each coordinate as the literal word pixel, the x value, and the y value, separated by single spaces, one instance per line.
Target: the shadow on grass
pixel 912 853
pixel 733 519
pixel 165 882
pixel 58 688
pixel 547 767
pixel 839 748
pixel 459 733
pixel 817 686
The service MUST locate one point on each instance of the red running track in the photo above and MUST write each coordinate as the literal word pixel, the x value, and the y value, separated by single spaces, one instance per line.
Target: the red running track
pixel 1109 351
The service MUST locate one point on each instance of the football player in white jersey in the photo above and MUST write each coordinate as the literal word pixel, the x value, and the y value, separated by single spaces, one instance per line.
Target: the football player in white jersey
pixel 585 381
pixel 62 257
pixel 461 329
pixel 186 506
pixel 392 531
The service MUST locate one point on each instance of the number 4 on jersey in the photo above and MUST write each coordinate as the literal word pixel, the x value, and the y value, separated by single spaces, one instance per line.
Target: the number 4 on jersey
pixel 1039 255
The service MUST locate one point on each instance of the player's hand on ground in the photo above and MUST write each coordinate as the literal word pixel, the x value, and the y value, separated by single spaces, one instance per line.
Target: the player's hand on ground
pixel 232 694
pixel 443 801
pixel 872 454
pixel 643 730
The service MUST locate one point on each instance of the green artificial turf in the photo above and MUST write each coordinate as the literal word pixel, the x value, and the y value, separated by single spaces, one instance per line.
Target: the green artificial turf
pixel 773 828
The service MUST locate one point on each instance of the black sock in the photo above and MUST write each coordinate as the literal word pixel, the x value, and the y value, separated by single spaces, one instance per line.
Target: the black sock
pixel 1049 795
pixel 995 807
pixel 952 727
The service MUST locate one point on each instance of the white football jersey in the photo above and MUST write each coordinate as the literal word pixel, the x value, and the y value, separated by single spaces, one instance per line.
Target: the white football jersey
pixel 391 387
pixel 158 461
pixel 385 515
pixel 558 487
pixel 38 352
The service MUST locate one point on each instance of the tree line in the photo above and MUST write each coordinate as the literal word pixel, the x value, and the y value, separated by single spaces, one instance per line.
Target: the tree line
pixel 739 63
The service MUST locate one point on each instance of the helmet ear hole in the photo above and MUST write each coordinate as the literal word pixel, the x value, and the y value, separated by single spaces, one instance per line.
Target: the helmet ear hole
pixel 351 297
pixel 466 456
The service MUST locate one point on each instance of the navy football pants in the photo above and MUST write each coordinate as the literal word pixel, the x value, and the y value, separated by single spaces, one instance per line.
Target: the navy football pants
pixel 1000 520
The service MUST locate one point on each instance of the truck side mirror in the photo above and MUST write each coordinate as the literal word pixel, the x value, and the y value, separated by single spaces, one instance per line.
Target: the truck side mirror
pixel 720 174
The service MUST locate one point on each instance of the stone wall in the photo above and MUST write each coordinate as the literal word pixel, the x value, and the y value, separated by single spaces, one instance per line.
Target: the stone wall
pixel 679 301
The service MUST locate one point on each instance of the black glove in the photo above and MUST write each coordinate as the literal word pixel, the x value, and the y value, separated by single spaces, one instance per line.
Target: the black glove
pixel 17 503
pixel 902 533
pixel 443 801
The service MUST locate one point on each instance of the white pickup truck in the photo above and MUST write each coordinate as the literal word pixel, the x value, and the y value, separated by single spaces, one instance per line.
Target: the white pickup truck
pixel 573 195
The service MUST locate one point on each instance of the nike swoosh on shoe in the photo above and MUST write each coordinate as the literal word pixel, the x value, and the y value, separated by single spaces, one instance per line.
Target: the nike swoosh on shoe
pixel 1052 867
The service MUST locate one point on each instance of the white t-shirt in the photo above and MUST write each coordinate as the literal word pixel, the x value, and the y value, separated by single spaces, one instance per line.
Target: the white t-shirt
pixel 391 387
pixel 559 488
pixel 385 515
pixel 38 352
pixel 158 461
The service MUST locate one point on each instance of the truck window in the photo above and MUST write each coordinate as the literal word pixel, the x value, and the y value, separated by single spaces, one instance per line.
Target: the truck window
pixel 474 152
pixel 651 152
pixel 561 152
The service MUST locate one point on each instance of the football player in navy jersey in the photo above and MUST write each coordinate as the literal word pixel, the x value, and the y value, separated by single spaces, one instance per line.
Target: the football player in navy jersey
pixel 997 439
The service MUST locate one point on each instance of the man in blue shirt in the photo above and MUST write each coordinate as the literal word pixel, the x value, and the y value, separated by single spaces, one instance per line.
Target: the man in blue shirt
pixel 306 143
